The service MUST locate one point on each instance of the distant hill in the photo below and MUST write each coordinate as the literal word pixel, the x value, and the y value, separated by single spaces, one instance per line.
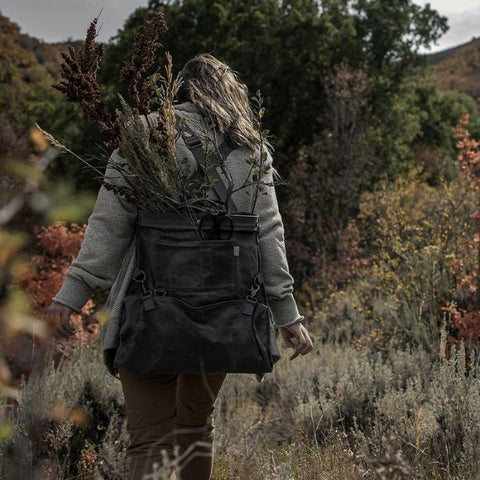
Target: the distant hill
pixel 437 57
pixel 458 68
pixel 22 51
pixel 28 68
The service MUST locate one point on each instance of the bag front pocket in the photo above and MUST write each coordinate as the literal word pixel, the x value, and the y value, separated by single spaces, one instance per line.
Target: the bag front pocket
pixel 178 337
pixel 196 266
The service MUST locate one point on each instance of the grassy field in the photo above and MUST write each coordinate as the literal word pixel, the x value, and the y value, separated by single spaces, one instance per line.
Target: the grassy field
pixel 341 412
pixel 388 392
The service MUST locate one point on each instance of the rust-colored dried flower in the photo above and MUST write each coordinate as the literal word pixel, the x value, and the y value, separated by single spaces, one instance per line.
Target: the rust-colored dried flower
pixel 145 46
pixel 79 83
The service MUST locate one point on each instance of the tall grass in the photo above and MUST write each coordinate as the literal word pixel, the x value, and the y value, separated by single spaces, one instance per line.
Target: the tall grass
pixel 388 391
pixel 341 412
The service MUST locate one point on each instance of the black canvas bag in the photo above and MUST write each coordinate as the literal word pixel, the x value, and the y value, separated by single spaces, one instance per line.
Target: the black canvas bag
pixel 197 304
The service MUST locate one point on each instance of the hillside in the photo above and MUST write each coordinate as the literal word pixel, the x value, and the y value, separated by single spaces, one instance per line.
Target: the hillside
pixel 24 52
pixel 28 68
pixel 458 68
pixel 437 57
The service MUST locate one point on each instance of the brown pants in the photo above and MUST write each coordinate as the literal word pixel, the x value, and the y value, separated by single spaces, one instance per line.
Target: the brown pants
pixel 167 410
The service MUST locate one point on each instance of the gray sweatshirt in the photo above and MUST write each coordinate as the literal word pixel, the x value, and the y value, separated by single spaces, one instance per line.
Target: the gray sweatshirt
pixel 107 255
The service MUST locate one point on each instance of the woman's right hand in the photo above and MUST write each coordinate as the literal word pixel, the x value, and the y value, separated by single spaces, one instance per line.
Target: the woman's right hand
pixel 58 316
pixel 296 336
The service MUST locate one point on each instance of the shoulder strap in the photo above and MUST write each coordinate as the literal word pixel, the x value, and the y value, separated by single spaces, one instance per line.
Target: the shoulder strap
pixel 194 143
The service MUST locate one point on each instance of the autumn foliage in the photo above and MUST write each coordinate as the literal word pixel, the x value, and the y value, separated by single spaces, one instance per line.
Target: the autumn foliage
pixel 55 247
pixel 465 319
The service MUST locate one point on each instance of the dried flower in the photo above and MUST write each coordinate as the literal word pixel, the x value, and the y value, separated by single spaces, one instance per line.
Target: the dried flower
pixel 79 83
pixel 145 46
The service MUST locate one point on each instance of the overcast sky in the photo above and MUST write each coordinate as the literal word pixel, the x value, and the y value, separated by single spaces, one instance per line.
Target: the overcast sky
pixel 58 20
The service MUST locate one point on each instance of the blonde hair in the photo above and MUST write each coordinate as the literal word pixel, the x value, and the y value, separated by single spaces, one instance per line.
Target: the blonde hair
pixel 218 93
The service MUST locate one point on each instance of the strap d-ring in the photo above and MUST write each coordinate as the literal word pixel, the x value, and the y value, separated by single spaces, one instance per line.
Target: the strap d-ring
pixel 141 272
pixel 145 292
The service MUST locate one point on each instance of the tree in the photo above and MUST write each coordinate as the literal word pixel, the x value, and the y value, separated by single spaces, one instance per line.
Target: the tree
pixel 286 48
pixel 27 96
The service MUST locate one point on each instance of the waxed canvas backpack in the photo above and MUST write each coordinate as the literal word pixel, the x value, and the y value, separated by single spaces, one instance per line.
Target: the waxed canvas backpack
pixel 197 303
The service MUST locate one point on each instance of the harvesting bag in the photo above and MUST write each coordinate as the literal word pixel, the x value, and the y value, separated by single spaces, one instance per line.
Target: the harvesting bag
pixel 196 301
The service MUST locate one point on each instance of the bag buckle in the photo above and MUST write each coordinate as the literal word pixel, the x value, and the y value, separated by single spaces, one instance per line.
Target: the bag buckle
pixel 139 272
pixel 148 303
pixel 255 287
pixel 140 276
pixel 249 305
pixel 161 292
pixel 253 291
pixel 251 300
pixel 192 140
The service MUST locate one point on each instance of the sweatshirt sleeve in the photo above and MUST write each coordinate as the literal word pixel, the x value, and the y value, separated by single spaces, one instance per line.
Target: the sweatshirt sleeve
pixel 109 231
pixel 278 280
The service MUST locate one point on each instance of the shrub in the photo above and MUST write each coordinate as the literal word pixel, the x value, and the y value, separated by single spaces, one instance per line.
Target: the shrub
pixel 69 421
pixel 327 180
pixel 400 411
pixel 51 255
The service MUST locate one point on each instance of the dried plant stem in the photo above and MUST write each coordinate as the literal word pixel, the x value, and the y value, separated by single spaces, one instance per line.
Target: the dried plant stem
pixel 65 149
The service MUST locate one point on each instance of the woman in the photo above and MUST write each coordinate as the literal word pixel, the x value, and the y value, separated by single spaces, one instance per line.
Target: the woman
pixel 177 409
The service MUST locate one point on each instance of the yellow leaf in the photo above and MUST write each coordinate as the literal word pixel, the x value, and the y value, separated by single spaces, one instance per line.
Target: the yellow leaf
pixel 10 246
pixel 38 139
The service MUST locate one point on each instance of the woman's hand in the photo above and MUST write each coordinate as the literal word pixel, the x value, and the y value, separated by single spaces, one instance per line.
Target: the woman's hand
pixel 58 316
pixel 297 337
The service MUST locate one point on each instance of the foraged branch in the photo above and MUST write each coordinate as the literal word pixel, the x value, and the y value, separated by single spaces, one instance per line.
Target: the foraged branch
pixel 153 177
pixel 145 46
pixel 79 83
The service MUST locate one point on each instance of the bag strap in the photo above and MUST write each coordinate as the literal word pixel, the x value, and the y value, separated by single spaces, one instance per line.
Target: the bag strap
pixel 194 143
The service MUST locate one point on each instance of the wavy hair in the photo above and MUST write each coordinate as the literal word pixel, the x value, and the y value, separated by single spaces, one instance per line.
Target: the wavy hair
pixel 218 93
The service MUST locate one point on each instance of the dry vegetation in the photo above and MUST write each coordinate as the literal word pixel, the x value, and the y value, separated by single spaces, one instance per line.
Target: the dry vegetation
pixel 342 413
pixel 391 294
pixel 388 392
pixel 460 71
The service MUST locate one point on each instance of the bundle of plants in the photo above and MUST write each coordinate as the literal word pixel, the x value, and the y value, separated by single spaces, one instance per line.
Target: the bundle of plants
pixel 144 129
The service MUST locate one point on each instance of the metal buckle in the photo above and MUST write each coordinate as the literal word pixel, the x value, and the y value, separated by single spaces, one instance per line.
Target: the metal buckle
pixel 146 292
pixel 192 141
pixel 144 277
pixel 251 297
pixel 249 305
pixel 147 299
pixel 253 290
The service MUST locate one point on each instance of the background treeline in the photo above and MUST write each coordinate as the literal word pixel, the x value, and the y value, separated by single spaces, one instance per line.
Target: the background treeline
pixel 382 228
pixel 349 100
